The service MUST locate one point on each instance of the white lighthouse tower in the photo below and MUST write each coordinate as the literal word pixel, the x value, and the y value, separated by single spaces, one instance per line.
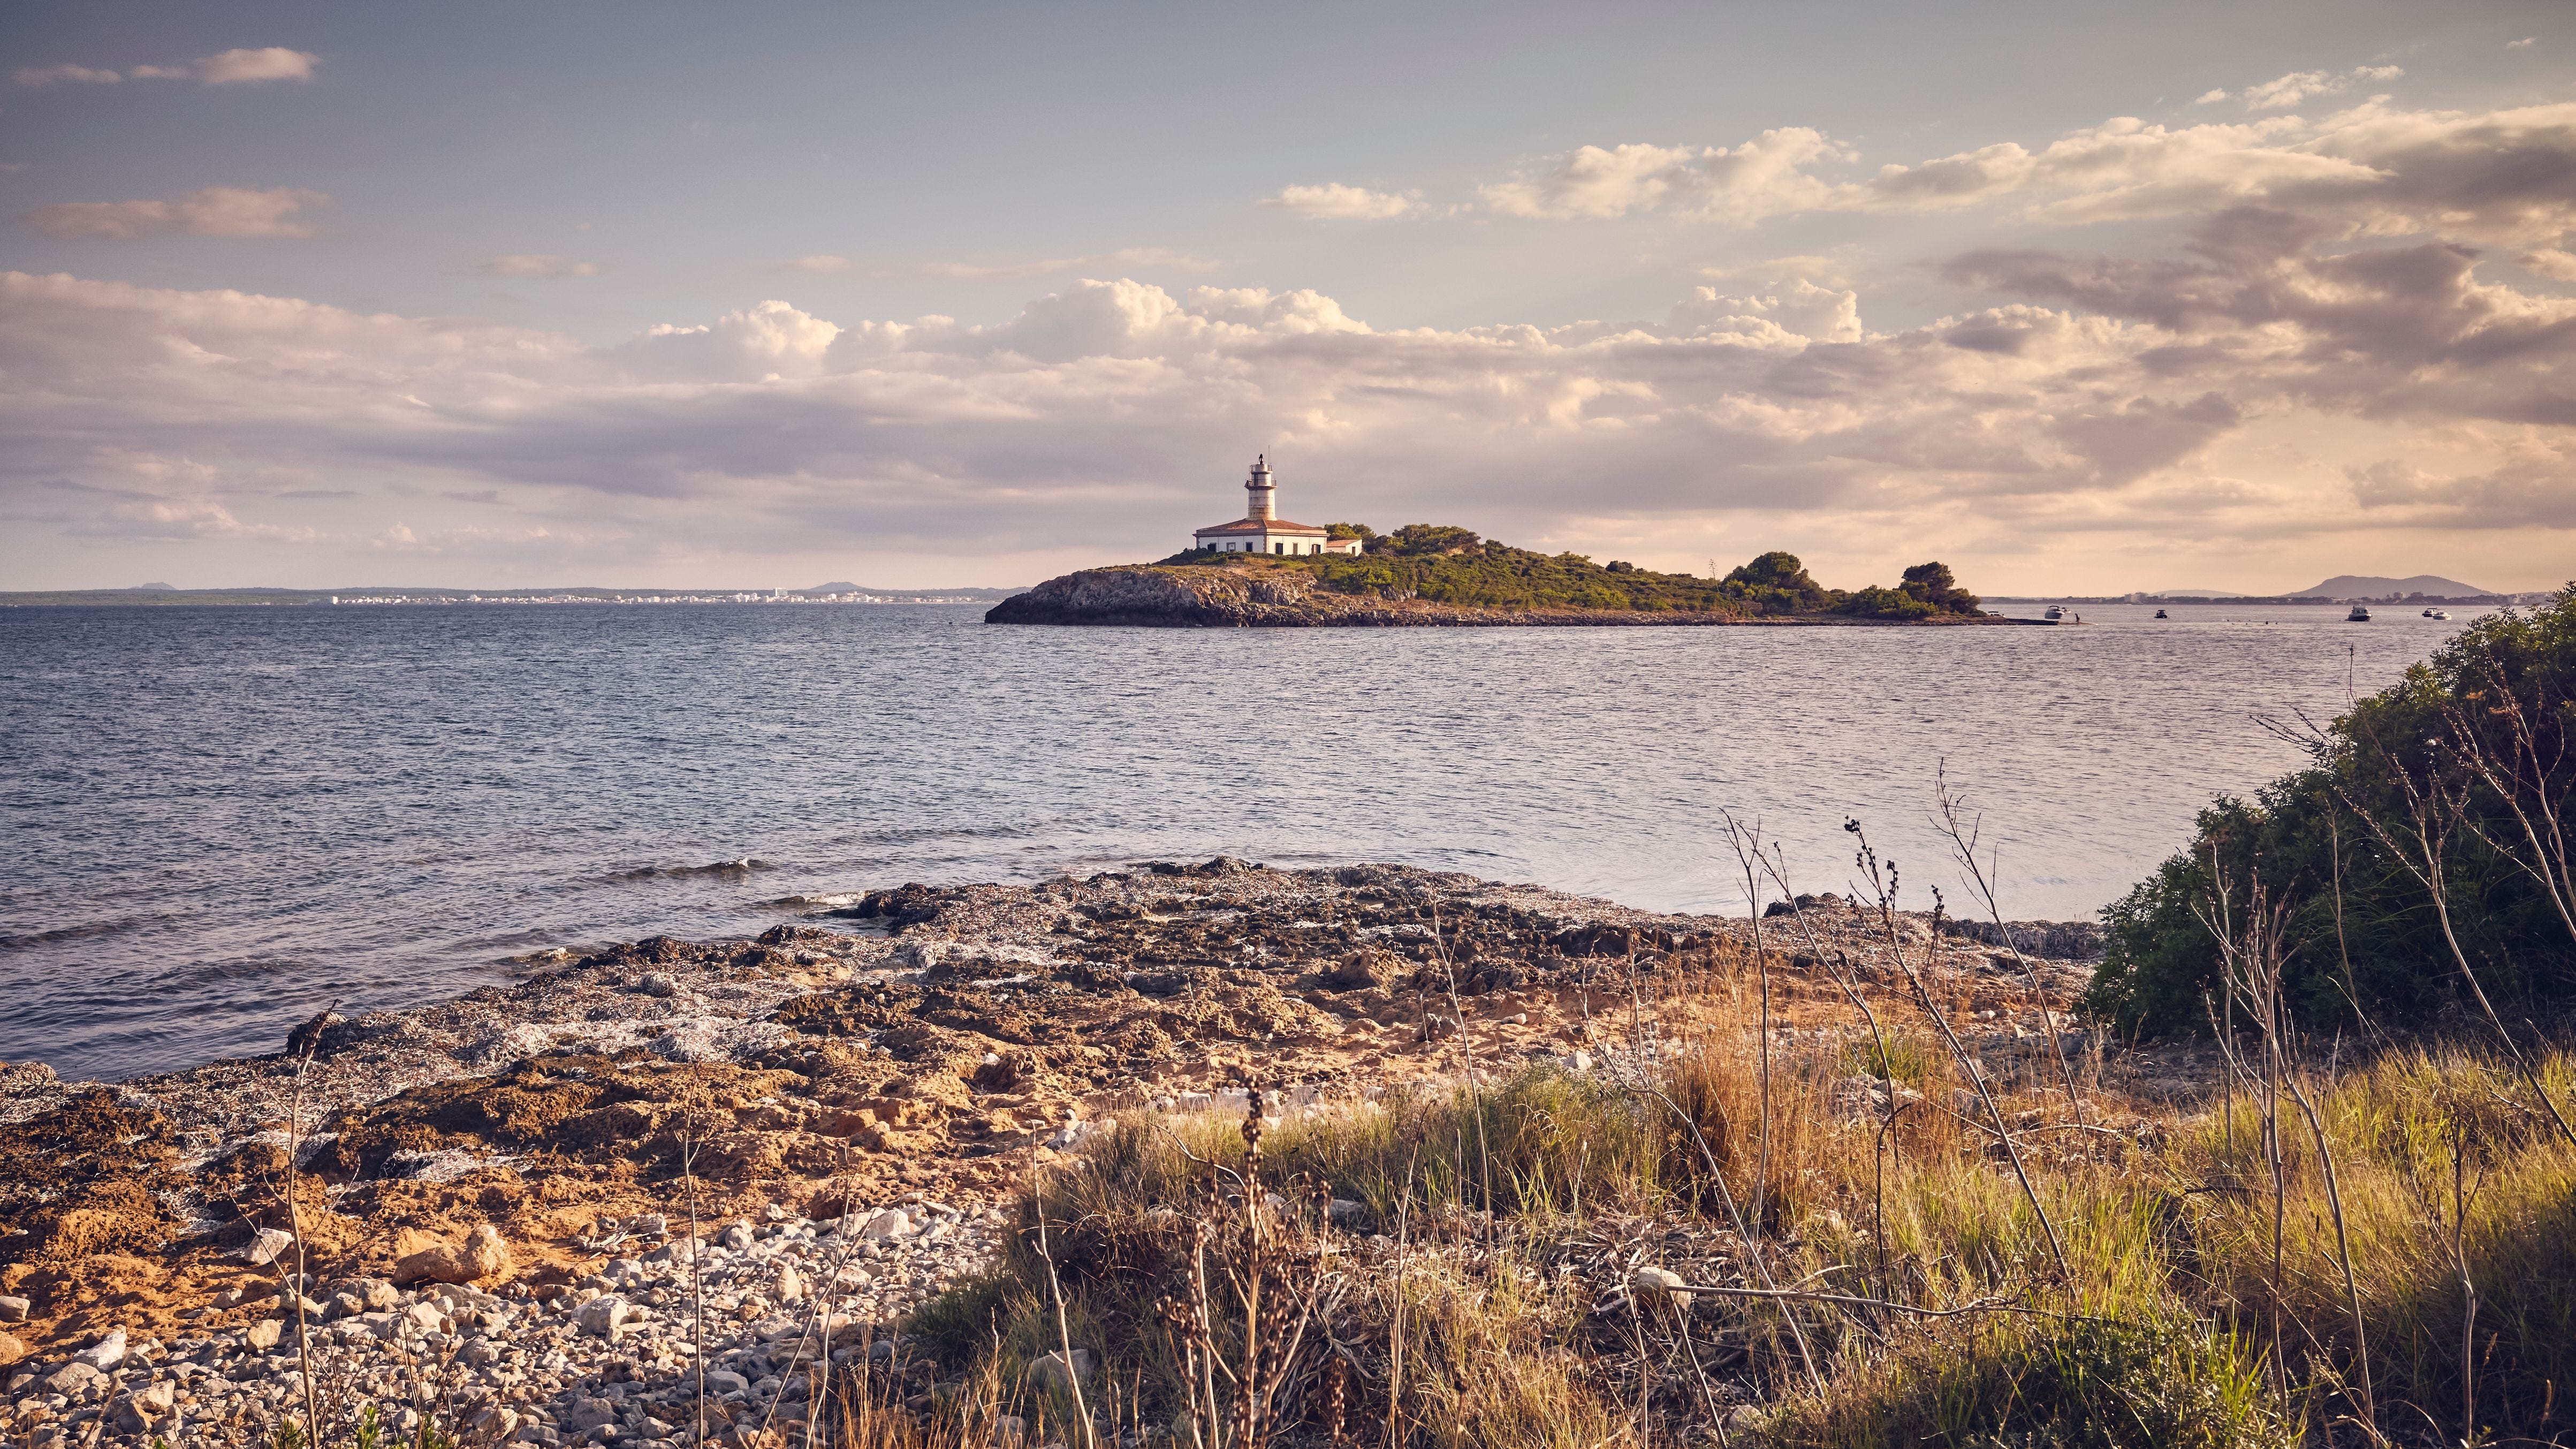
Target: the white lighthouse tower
pixel 1262 530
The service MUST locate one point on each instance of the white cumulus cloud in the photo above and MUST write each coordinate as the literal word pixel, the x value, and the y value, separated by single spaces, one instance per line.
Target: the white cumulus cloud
pixel 235 211
pixel 1334 201
pixel 2298 86
pixel 818 262
pixel 2307 351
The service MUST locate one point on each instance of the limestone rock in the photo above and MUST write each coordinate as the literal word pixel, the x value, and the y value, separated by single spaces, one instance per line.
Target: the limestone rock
pixel 146 1406
pixel 105 1354
pixel 1048 1371
pixel 892 1223
pixel 266 1247
pixel 1661 1285
pixel 486 1254
pixel 604 1316
pixel 11 1350
pixel 263 1335
pixel 15 1310
pixel 71 1379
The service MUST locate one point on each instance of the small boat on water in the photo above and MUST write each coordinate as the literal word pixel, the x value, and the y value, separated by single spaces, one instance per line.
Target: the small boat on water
pixel 2054 612
pixel 2160 613
pixel 2359 615
pixel 2437 613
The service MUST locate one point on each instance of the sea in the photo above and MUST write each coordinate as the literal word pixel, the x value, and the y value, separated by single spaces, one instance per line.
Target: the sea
pixel 219 820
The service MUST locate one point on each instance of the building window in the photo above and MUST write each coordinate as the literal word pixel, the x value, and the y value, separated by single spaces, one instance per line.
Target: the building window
pixel 1278 548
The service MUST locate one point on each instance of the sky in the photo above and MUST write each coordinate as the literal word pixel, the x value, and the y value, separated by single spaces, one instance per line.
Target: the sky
pixel 2076 298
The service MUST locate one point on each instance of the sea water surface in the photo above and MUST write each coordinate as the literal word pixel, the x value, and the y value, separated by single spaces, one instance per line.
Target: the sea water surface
pixel 220 819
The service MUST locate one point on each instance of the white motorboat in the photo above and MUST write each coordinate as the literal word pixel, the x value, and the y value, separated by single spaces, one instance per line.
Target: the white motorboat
pixel 2359 615
pixel 2437 613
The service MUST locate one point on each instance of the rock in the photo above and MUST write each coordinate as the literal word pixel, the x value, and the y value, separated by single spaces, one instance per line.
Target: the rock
pixel 1354 973
pixel 344 1305
pixel 482 1352
pixel 425 1317
pixel 380 1295
pixel 586 1414
pixel 309 1036
pixel 736 1238
pixel 72 1379
pixel 1660 1285
pixel 263 1335
pixel 791 1284
pixel 1047 1371
pixel 267 1245
pixel 1346 1213
pixel 892 1223
pixel 725 1381
pixel 486 1254
pixel 11 1350
pixel 105 1354
pixel 604 1316
pixel 147 1406
pixel 656 983
pixel 15 1310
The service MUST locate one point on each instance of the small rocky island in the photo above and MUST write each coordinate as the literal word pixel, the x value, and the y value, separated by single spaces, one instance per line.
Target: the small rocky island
pixel 1262 570
pixel 1428 574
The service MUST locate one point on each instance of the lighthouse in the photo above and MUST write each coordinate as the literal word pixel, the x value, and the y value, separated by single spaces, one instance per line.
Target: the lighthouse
pixel 1262 530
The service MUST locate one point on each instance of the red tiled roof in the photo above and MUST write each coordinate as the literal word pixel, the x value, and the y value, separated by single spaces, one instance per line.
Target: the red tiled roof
pixel 1255 525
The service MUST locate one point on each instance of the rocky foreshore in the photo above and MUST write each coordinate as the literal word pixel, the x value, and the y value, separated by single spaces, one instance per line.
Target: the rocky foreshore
pixel 524 1210
pixel 1221 598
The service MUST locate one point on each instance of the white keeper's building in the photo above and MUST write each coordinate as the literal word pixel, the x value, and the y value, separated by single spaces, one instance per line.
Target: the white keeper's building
pixel 1262 530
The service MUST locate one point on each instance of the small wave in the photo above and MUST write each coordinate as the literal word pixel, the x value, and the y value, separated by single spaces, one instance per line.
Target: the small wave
pixel 88 930
pixel 744 866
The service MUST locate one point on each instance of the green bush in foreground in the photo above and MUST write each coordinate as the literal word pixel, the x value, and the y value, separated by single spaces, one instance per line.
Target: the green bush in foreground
pixel 2080 1383
pixel 2405 834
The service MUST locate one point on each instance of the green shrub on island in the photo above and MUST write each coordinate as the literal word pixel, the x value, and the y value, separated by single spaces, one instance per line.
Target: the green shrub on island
pixel 1446 564
pixel 2426 836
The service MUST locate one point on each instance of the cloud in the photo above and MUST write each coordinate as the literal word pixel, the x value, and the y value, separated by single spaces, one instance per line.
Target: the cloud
pixel 1334 201
pixel 230 67
pixel 2210 98
pixel 1126 257
pixel 2505 176
pixel 234 211
pixel 239 67
pixel 819 262
pixel 537 265
pixel 77 74
pixel 2298 86
pixel 2526 43
pixel 2309 351
pixel 1763 177
pixel 2552 263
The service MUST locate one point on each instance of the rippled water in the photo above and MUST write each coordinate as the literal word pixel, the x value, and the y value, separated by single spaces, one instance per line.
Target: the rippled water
pixel 221 818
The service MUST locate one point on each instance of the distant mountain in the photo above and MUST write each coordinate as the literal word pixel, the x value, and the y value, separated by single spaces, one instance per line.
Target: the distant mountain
pixel 2198 594
pixel 846 587
pixel 2370 586
pixel 153 589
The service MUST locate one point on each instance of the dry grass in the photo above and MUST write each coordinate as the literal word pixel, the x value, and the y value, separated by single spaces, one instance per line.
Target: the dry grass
pixel 1486 1297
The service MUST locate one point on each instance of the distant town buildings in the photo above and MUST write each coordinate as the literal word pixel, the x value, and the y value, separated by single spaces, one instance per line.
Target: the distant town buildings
pixel 1262 530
